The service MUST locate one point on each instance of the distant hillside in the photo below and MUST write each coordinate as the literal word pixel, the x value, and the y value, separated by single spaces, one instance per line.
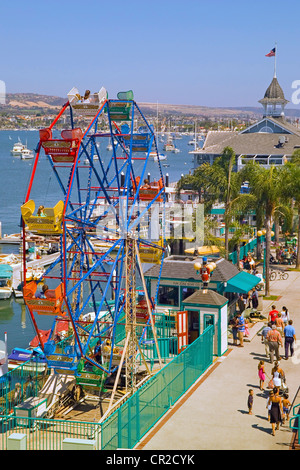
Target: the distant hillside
pixel 24 102
pixel 31 101
pixel 199 111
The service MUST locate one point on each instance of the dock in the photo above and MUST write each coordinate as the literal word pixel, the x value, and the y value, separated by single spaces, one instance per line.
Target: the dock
pixel 11 240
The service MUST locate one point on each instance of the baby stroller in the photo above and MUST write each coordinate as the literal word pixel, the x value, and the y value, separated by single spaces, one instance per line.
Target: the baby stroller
pixel 283 388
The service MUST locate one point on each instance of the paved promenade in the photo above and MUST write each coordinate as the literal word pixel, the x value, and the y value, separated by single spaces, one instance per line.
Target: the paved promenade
pixel 214 414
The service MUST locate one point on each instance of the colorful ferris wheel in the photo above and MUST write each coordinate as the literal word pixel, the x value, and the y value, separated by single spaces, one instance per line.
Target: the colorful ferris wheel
pixel 108 222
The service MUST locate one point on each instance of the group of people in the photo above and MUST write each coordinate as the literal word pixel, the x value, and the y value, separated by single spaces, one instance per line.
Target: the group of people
pixel 285 255
pixel 279 326
pixel 278 407
pixel 239 326
pixel 249 300
pixel 248 263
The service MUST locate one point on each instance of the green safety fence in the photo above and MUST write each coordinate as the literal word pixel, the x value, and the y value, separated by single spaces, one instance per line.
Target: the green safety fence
pixel 294 422
pixel 127 425
pixel 47 434
pixel 25 381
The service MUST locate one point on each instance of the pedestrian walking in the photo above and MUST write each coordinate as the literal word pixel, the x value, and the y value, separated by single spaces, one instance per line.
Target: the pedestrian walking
pixel 285 315
pixel 278 375
pixel 264 340
pixel 276 410
pixel 279 324
pixel 250 401
pixel 286 404
pixel 269 403
pixel 274 341
pixel 241 328
pixel 273 314
pixel 261 374
pixel 289 338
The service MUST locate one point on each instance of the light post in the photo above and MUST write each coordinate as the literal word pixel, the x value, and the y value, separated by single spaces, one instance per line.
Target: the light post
pixel 262 233
pixel 206 271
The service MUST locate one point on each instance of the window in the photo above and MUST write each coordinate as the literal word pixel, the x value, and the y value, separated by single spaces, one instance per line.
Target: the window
pixel 168 295
pixel 187 291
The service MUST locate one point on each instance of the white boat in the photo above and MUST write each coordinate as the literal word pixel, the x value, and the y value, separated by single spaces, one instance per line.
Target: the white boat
pixel 6 275
pixel 169 145
pixel 18 148
pixel 161 156
pixel 155 156
pixel 34 273
pixel 10 259
pixel 176 150
pixel 27 154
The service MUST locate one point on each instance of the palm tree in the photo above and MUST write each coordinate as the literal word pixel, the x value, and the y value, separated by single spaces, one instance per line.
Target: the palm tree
pixel 218 182
pixel 291 189
pixel 266 185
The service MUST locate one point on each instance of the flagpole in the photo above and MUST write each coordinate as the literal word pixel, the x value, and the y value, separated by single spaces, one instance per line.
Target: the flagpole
pixel 275 59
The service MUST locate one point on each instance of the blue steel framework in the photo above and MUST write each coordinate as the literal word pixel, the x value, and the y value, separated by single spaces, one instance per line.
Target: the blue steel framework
pixel 90 275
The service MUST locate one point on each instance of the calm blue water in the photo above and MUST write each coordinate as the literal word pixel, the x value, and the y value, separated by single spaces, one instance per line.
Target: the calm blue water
pixel 14 179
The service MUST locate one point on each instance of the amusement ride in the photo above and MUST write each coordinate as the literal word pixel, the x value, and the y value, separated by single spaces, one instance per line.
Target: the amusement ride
pixel 102 222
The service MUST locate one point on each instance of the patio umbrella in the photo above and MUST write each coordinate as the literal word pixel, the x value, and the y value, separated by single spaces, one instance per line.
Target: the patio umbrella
pixel 204 250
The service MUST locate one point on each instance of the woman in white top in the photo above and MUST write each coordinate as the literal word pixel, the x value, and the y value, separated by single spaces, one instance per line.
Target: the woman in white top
pixel 277 375
pixel 285 315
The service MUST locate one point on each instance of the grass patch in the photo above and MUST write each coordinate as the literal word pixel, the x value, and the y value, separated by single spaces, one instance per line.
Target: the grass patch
pixel 270 297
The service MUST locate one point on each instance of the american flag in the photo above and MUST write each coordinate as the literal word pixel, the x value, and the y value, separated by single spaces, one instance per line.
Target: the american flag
pixel 271 53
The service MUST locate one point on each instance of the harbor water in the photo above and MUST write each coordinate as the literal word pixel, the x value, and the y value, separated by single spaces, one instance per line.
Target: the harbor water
pixel 14 179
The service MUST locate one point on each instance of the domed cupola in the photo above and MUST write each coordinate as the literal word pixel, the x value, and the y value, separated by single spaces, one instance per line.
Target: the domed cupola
pixel 274 101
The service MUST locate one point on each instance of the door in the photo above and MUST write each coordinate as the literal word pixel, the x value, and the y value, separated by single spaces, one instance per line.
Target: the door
pixel 182 330
pixel 193 325
pixel 208 320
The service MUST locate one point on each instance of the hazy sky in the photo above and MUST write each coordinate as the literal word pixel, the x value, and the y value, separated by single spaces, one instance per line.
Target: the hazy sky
pixel 194 52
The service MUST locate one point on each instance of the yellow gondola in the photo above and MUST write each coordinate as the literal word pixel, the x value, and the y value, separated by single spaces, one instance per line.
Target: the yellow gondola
pixel 151 254
pixel 49 224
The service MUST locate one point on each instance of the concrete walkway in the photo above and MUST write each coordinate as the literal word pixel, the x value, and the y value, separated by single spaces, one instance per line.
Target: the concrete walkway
pixel 214 414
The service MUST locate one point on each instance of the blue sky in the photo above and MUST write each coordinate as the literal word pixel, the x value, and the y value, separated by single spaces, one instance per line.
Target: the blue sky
pixel 194 52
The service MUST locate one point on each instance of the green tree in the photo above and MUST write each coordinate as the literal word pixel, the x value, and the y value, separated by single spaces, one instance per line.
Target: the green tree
pixel 291 190
pixel 218 182
pixel 266 185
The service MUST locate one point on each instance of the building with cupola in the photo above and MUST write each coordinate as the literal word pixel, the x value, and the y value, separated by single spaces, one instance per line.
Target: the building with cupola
pixel 269 141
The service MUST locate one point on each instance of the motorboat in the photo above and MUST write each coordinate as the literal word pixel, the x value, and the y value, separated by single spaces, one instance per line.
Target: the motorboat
pixel 18 148
pixel 156 155
pixel 21 357
pixel 6 275
pixel 27 154
pixel 169 145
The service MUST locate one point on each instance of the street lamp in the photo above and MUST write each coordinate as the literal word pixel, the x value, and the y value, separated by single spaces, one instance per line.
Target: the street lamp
pixel 205 270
